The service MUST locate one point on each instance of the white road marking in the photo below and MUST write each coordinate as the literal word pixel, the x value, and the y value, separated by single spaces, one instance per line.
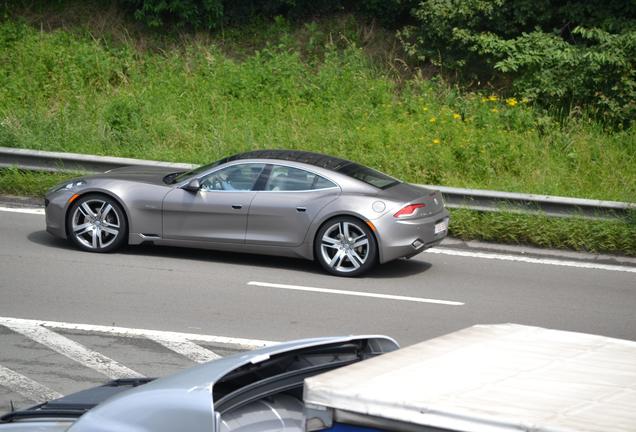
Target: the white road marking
pixel 133 332
pixel 188 349
pixel 71 349
pixel 28 388
pixel 547 261
pixel 356 293
pixel 36 211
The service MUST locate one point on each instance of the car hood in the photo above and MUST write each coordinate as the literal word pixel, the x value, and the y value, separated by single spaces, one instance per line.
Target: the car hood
pixel 152 175
pixel 184 401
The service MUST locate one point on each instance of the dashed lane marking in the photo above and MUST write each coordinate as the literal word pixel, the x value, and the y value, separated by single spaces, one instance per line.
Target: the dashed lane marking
pixel 26 387
pixel 71 349
pixel 39 331
pixel 188 349
pixel 241 343
pixel 356 293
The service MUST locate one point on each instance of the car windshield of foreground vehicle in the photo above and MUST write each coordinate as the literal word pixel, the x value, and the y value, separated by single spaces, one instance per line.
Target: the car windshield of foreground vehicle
pixel 76 404
pixel 368 175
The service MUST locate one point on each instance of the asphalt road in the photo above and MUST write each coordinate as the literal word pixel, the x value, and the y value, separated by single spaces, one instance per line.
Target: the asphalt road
pixel 271 298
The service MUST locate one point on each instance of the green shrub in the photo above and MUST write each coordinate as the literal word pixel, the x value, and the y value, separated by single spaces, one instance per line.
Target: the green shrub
pixel 196 14
pixel 568 56
pixel 210 14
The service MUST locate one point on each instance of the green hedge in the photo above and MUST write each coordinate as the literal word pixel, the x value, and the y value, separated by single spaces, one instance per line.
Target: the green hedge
pixel 568 56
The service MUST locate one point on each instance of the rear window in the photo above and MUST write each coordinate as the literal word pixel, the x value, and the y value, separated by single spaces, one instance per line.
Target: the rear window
pixel 368 175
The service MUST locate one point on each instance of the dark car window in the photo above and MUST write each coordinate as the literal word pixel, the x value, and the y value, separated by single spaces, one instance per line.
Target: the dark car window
pixel 368 175
pixel 233 178
pixel 283 178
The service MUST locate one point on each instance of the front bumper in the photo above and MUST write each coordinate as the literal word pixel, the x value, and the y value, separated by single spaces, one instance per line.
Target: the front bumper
pixel 404 238
pixel 55 206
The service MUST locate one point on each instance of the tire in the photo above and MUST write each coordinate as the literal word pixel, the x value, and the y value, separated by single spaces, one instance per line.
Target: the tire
pixel 96 223
pixel 345 246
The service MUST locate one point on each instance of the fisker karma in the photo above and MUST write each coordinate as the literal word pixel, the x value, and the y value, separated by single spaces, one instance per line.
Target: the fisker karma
pixel 344 215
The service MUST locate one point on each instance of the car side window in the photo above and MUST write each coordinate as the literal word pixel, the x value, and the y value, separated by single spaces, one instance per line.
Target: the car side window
pixel 233 178
pixel 283 178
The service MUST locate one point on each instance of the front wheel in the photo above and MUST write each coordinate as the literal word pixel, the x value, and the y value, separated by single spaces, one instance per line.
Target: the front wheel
pixel 345 246
pixel 96 223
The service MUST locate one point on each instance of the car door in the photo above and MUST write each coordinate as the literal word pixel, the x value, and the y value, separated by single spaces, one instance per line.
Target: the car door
pixel 281 213
pixel 217 212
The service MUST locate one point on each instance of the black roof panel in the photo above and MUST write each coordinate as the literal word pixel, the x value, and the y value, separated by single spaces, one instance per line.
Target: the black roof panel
pixel 316 159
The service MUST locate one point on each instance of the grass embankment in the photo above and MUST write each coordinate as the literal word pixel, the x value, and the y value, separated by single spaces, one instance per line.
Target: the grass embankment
pixel 331 87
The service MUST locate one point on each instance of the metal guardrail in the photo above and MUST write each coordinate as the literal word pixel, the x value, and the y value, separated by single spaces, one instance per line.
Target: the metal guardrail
pixel 38 160
pixel 488 200
pixel 473 199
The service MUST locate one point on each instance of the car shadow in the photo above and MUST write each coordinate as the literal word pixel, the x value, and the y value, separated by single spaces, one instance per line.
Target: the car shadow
pixel 234 258
pixel 45 239
pixel 398 268
pixel 393 269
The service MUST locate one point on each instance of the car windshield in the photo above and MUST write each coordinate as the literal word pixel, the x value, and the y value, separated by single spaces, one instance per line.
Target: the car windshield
pixel 368 175
pixel 187 174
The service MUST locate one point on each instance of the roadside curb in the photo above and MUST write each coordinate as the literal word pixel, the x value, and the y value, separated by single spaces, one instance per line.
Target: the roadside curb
pixel 536 252
pixel 21 201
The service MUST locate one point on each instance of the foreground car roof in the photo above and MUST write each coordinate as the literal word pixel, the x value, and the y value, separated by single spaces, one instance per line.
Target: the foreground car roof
pixel 498 378
pixel 183 401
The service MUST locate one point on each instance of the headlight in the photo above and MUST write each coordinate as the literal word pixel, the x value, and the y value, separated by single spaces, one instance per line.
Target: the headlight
pixel 70 185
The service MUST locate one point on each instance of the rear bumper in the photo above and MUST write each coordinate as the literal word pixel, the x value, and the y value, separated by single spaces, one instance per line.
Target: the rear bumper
pixel 408 237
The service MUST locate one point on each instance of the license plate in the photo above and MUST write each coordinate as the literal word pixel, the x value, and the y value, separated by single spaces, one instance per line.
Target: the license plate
pixel 441 227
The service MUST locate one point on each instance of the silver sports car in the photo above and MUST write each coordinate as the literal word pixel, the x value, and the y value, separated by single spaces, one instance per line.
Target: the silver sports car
pixel 346 216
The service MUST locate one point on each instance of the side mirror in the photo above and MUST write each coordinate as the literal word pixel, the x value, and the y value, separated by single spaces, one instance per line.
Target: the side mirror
pixel 192 186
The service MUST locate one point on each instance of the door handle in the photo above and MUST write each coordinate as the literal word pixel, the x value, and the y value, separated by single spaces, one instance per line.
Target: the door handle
pixel 237 207
pixel 301 209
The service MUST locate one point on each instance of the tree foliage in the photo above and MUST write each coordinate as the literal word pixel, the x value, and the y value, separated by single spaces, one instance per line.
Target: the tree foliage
pixel 567 55
pixel 197 14
pixel 209 14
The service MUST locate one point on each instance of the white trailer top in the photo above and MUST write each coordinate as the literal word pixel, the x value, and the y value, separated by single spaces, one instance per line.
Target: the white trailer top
pixel 492 378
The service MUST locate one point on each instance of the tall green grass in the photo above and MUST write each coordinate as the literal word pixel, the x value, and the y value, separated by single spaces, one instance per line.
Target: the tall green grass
pixel 598 236
pixel 200 98
pixel 30 183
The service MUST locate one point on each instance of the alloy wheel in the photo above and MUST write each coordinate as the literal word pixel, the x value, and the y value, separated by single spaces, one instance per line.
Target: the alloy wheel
pixel 95 224
pixel 344 247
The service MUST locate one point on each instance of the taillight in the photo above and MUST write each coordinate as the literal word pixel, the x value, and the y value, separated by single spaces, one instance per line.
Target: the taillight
pixel 408 210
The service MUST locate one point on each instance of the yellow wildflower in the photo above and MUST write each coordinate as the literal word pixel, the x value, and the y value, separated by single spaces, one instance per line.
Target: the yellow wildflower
pixel 484 99
pixel 511 102
pixel 493 98
pixel 495 110
pixel 456 116
pixel 433 119
pixel 436 141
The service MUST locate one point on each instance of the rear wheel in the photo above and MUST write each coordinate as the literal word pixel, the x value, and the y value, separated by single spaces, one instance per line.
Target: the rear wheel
pixel 345 246
pixel 96 223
